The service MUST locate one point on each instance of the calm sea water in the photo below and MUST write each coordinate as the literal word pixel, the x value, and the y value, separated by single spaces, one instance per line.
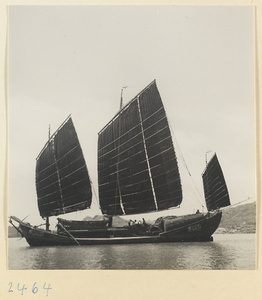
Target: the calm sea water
pixel 227 251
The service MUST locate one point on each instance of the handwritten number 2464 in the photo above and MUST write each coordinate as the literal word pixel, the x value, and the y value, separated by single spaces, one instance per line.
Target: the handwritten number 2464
pixel 23 288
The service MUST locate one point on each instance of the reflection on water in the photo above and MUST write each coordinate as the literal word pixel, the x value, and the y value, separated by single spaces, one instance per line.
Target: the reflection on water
pixel 226 252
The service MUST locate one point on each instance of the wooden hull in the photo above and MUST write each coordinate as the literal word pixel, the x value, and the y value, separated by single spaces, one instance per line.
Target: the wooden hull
pixel 198 227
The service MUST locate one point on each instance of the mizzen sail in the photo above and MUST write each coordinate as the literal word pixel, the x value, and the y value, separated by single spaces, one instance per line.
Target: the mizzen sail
pixel 137 165
pixel 62 180
pixel 215 188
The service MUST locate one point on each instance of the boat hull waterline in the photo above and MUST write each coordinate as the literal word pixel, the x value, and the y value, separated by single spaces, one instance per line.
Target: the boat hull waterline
pixel 189 228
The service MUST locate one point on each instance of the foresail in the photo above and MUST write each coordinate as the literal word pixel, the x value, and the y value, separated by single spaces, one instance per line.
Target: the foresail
pixel 137 165
pixel 62 180
pixel 215 188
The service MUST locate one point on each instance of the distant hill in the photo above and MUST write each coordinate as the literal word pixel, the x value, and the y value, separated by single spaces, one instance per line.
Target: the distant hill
pixel 117 221
pixel 239 219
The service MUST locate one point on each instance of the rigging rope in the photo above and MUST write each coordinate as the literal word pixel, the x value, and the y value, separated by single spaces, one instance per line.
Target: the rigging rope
pixel 224 208
pixel 96 203
pixel 200 199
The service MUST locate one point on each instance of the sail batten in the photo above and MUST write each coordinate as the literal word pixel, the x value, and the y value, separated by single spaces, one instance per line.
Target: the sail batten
pixel 137 192
pixel 133 128
pixel 61 189
pixel 137 166
pixel 175 169
pixel 57 160
pixel 215 188
pixel 137 154
pixel 62 179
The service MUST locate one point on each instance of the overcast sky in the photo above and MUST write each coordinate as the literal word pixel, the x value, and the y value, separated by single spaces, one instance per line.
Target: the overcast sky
pixel 75 60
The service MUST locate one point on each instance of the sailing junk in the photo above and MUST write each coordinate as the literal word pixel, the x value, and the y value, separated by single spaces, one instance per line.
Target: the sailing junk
pixel 137 173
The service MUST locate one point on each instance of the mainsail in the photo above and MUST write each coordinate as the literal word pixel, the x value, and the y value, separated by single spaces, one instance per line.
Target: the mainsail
pixel 137 165
pixel 62 180
pixel 215 188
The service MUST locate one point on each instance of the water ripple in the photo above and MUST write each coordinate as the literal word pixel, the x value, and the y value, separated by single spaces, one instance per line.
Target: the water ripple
pixel 227 252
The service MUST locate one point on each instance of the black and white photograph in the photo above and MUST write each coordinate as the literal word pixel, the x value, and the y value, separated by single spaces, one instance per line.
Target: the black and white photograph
pixel 131 138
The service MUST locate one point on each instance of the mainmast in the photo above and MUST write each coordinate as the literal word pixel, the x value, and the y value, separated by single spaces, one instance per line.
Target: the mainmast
pixel 47 224
pixel 117 164
pixel 121 100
